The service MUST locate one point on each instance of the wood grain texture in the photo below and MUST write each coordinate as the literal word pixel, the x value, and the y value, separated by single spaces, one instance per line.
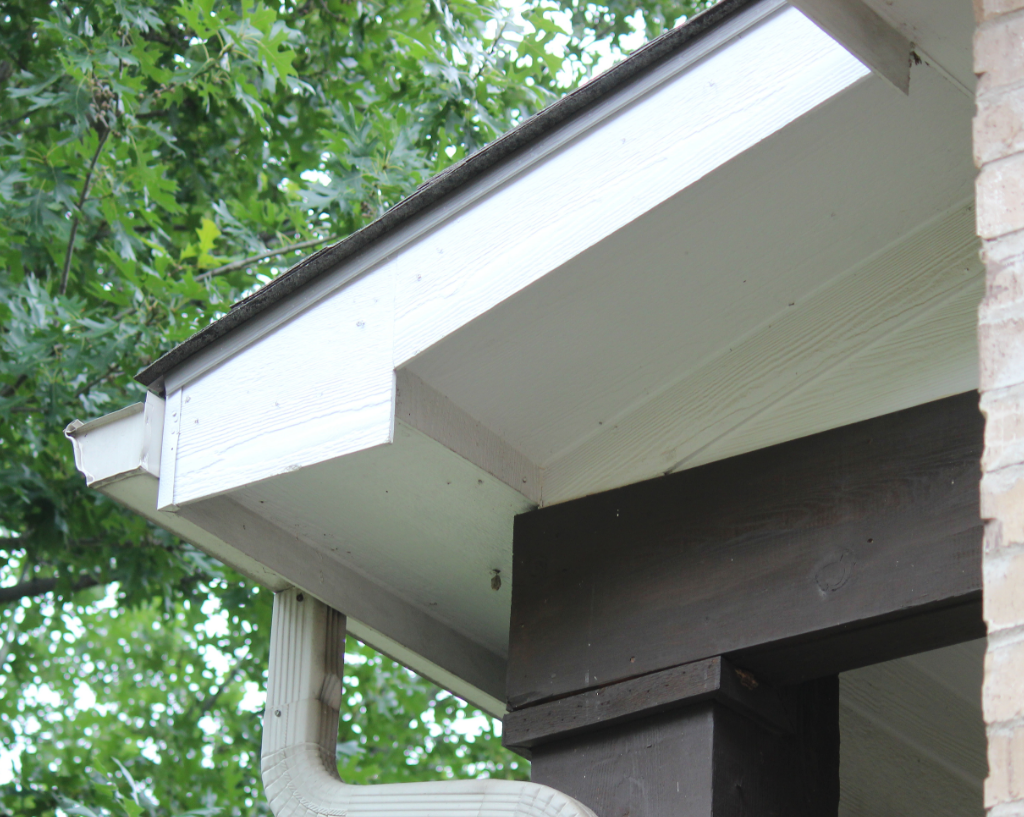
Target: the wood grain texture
pixel 711 679
pixel 811 203
pixel 895 328
pixel 868 37
pixel 338 353
pixel 317 388
pixel 890 777
pixel 395 242
pixel 933 722
pixel 807 541
pixel 934 352
pixel 622 168
pixel 913 738
pixel 705 760
pixel 927 626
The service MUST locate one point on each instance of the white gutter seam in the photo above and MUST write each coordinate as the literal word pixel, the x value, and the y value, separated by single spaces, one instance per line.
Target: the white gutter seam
pixel 300 733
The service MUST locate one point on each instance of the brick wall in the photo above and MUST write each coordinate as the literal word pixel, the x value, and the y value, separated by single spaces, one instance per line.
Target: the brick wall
pixel 999 154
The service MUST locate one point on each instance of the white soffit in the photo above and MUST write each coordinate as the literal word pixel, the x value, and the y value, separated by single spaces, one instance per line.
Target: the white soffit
pixel 912 737
pixel 752 294
pixel 116 454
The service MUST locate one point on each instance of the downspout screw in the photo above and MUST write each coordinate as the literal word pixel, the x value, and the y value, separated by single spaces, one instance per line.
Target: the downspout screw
pixel 277 713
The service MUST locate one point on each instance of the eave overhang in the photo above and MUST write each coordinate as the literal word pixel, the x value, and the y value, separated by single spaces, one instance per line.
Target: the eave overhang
pixel 737 237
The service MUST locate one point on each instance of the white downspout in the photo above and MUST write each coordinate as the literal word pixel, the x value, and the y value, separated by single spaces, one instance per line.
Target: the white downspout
pixel 300 733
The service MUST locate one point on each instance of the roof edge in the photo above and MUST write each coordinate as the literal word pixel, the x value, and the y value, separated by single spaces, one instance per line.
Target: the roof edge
pixel 444 184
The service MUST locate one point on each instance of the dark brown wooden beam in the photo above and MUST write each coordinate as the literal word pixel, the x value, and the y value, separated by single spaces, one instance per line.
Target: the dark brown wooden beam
pixel 713 679
pixel 801 560
pixel 705 760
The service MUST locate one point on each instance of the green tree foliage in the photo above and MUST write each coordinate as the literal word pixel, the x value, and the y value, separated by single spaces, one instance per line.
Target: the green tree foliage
pixel 157 161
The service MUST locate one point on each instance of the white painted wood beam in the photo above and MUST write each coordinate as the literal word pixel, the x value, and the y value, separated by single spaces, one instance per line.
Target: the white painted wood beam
pixel 867 35
pixel 319 387
pixel 451 208
pixel 426 410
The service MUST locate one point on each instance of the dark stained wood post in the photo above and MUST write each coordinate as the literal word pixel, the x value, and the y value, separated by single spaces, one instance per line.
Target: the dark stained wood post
pixel 706 759
pixel 675 645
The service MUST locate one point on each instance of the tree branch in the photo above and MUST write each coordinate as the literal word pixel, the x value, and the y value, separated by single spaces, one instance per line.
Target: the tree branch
pixel 78 211
pixel 12 625
pixel 237 265
pixel 112 371
pixel 211 700
pixel 39 587
pixel 490 52
pixel 9 390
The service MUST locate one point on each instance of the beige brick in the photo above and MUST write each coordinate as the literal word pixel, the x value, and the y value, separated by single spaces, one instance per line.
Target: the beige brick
pixel 1004 428
pixel 999 52
pixel 1005 781
pixel 987 9
pixel 1004 590
pixel 1000 763
pixel 1004 276
pixel 999 126
pixel 1002 499
pixel 1002 697
pixel 1001 351
pixel 999 191
pixel 993 538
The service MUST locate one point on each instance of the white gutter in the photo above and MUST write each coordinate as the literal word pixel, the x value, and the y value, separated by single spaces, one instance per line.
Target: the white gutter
pixel 300 733
pixel 123 444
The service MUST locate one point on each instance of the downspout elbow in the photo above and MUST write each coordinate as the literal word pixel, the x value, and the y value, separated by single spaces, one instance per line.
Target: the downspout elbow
pixel 300 732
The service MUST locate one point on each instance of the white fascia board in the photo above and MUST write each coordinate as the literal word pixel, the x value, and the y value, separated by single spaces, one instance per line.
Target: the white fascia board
pixel 314 379
pixel 317 388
